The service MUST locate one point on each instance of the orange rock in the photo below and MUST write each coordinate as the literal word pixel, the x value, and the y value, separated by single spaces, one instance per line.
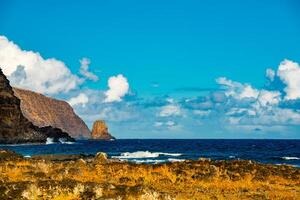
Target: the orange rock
pixel 100 131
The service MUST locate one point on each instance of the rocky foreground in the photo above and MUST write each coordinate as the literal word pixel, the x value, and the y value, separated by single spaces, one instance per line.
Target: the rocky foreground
pixel 80 177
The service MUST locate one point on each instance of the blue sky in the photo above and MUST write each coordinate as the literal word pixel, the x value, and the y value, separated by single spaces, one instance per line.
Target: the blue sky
pixel 170 53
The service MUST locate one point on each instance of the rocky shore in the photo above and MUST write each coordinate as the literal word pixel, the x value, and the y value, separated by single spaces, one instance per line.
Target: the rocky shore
pixel 97 177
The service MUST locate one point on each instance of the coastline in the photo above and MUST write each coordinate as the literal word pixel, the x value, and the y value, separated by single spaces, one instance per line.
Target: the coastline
pixel 98 177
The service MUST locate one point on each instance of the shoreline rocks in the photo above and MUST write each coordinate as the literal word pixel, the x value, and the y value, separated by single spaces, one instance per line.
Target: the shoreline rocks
pixel 98 177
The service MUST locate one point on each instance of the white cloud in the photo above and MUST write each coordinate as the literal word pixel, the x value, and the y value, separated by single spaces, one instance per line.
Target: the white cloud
pixel 84 70
pixel 270 73
pixel 238 90
pixel 118 88
pixel 158 124
pixel 202 113
pixel 170 110
pixel 48 76
pixel 269 97
pixel 171 125
pixel 81 99
pixel 289 73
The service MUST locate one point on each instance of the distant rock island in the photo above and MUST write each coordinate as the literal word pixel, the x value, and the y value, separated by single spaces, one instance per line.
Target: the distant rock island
pixel 14 127
pixel 45 111
pixel 100 131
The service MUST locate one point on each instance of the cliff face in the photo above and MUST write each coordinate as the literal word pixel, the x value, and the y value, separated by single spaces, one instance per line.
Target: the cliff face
pixel 14 127
pixel 45 111
pixel 100 131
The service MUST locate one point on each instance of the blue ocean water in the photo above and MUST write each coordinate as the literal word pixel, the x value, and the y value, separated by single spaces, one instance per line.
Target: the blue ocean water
pixel 168 150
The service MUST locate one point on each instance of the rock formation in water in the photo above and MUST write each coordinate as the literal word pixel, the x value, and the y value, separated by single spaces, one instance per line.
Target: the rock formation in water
pixel 46 111
pixel 100 131
pixel 14 127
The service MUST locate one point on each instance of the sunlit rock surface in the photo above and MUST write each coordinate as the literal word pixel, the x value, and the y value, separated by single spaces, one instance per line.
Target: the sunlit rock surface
pixel 46 111
pixel 79 177
pixel 100 131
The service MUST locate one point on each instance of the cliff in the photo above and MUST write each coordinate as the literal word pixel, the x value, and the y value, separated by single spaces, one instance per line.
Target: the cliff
pixel 14 127
pixel 76 177
pixel 100 131
pixel 46 111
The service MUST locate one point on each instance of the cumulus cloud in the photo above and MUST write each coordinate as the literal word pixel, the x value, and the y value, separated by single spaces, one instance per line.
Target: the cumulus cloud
pixel 237 90
pixel 81 99
pixel 270 74
pixel 19 76
pixel 269 97
pixel 118 88
pixel 48 76
pixel 289 72
pixel 170 110
pixel 84 70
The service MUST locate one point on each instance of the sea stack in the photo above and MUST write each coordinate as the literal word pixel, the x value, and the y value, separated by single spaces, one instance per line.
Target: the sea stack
pixel 100 131
pixel 14 127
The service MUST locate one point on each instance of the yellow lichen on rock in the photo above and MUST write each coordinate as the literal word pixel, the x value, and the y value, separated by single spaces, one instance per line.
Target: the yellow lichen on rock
pixel 102 178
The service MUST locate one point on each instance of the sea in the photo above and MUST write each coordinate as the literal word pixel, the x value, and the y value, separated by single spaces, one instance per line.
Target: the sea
pixel 155 151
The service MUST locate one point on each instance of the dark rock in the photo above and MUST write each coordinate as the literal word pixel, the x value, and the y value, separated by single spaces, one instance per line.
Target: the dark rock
pixel 14 127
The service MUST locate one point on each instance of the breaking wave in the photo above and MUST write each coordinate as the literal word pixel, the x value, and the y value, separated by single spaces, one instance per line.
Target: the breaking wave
pixel 175 160
pixel 50 141
pixel 60 141
pixel 290 158
pixel 144 154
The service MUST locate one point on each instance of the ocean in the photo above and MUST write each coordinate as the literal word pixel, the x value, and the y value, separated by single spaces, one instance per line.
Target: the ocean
pixel 170 150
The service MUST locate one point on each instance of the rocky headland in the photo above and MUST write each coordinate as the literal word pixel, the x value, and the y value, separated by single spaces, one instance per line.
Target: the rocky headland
pixel 97 177
pixel 100 131
pixel 14 127
pixel 45 111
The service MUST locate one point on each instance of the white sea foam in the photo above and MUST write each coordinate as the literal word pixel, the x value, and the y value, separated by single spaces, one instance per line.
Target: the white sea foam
pixel 171 154
pixel 144 154
pixel 175 160
pixel 50 141
pixel 290 158
pixel 155 161
pixel 64 141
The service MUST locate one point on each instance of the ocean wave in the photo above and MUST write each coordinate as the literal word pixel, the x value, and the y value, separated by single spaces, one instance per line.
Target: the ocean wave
pixel 144 154
pixel 64 141
pixel 290 158
pixel 50 141
pixel 154 161
pixel 175 160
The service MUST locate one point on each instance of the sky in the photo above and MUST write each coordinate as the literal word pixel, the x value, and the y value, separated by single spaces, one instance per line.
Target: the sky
pixel 161 69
